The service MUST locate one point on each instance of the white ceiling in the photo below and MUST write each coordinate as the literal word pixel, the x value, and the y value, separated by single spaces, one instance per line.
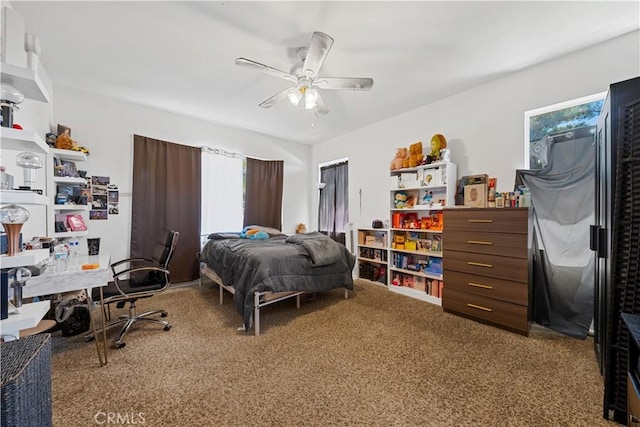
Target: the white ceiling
pixel 179 55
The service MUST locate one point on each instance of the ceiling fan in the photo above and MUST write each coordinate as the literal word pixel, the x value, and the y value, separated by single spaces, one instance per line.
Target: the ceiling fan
pixel 305 76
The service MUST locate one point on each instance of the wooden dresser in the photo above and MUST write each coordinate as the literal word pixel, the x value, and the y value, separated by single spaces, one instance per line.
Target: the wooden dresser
pixel 488 265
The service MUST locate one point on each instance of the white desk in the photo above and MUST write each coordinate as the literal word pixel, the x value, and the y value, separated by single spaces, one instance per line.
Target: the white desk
pixel 74 279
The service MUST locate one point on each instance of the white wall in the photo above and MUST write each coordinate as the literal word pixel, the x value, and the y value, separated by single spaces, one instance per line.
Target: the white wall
pixel 106 127
pixel 484 126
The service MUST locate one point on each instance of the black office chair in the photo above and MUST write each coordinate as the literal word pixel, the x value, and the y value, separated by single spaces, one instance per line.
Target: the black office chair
pixel 136 278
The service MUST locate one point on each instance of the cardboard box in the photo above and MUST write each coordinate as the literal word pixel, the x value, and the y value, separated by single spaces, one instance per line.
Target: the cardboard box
pixel 475 195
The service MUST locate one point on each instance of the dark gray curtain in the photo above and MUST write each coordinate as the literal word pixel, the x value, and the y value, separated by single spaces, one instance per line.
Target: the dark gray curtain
pixel 166 196
pixel 333 210
pixel 563 199
pixel 263 194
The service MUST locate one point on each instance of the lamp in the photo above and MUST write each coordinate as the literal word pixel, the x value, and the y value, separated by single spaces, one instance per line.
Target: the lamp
pixel 29 162
pixel 296 96
pixel 310 98
pixel 12 217
pixel 9 98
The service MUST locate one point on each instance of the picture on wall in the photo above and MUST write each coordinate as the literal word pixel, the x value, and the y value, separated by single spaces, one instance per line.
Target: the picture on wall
pixel 113 198
pixel 98 215
pixel 99 195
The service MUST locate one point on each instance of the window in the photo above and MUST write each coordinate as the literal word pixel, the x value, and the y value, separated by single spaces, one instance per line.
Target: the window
pixel 553 119
pixel 223 176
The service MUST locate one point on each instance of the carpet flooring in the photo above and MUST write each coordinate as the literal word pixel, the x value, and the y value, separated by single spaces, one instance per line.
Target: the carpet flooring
pixel 375 359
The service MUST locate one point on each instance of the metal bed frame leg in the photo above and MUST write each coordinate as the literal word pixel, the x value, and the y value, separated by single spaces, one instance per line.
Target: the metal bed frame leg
pixel 298 301
pixel 256 313
pixel 221 294
pixel 346 293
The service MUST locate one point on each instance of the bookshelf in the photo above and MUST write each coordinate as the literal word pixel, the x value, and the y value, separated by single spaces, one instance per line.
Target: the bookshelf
pixel 62 212
pixel 417 199
pixel 372 255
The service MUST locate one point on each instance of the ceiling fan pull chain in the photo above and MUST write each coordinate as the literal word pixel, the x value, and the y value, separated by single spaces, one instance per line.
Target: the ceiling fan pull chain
pixel 312 114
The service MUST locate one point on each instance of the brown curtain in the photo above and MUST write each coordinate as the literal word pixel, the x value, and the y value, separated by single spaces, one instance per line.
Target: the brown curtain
pixel 263 197
pixel 166 196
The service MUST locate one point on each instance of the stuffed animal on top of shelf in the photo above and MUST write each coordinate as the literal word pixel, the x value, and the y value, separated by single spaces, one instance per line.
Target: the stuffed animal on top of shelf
pixel 398 160
pixel 438 142
pixel 64 142
pixel 415 154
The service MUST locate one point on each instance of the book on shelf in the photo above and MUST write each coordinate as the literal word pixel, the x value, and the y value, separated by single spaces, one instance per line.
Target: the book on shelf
pixel 76 223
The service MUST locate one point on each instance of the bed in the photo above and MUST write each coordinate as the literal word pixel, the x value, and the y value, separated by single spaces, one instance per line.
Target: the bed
pixel 261 272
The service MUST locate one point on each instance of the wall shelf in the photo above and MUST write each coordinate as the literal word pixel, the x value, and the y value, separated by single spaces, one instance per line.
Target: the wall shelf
pixel 72 155
pixel 71 207
pixel 22 197
pixel 22 140
pixel 34 84
pixel 30 257
pixel 69 180
pixel 71 234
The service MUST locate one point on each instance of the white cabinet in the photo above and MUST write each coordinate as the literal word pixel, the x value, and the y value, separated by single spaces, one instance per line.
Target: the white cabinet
pixel 417 197
pixel 372 255
pixel 60 211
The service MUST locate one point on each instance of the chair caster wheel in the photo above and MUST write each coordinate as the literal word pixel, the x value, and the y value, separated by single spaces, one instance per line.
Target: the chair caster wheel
pixel 164 314
pixel 168 327
pixel 120 344
pixel 89 339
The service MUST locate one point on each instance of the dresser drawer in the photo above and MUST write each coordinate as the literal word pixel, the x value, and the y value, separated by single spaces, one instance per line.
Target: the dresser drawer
pixel 503 220
pixel 512 269
pixel 512 245
pixel 510 316
pixel 488 287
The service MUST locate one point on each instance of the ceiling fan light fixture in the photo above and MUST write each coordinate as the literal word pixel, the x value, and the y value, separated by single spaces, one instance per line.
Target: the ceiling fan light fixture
pixel 310 98
pixel 295 97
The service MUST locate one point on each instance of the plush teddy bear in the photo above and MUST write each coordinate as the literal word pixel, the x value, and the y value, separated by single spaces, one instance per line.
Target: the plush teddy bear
pixel 397 161
pixel 64 142
pixel 415 154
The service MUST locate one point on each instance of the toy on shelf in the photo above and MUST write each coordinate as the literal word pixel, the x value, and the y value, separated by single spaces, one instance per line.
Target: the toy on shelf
pixel 415 154
pixel 64 142
pixel 398 160
pixel 438 142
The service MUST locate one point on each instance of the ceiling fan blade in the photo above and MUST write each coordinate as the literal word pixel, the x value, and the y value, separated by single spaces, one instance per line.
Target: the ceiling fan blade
pixel 344 83
pixel 317 52
pixel 321 108
pixel 277 97
pixel 253 65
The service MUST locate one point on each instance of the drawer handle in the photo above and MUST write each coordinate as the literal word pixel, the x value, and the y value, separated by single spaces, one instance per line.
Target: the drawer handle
pixel 479 242
pixel 479 307
pixel 479 264
pixel 478 285
pixel 481 220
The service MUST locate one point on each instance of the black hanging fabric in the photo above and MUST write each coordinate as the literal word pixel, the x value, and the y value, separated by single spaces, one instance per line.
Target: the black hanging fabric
pixel 563 201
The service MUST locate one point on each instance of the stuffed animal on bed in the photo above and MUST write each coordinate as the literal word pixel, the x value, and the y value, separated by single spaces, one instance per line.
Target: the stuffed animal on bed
pixel 254 234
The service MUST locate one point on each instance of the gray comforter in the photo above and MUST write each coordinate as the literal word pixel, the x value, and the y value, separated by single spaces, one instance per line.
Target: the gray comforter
pixel 309 262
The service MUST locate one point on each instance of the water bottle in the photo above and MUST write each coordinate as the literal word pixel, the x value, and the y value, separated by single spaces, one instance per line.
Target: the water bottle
pixel 73 244
pixel 60 253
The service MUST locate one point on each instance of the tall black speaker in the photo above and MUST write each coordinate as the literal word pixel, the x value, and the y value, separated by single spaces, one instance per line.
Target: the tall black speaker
pixel 614 237
pixel 4 294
